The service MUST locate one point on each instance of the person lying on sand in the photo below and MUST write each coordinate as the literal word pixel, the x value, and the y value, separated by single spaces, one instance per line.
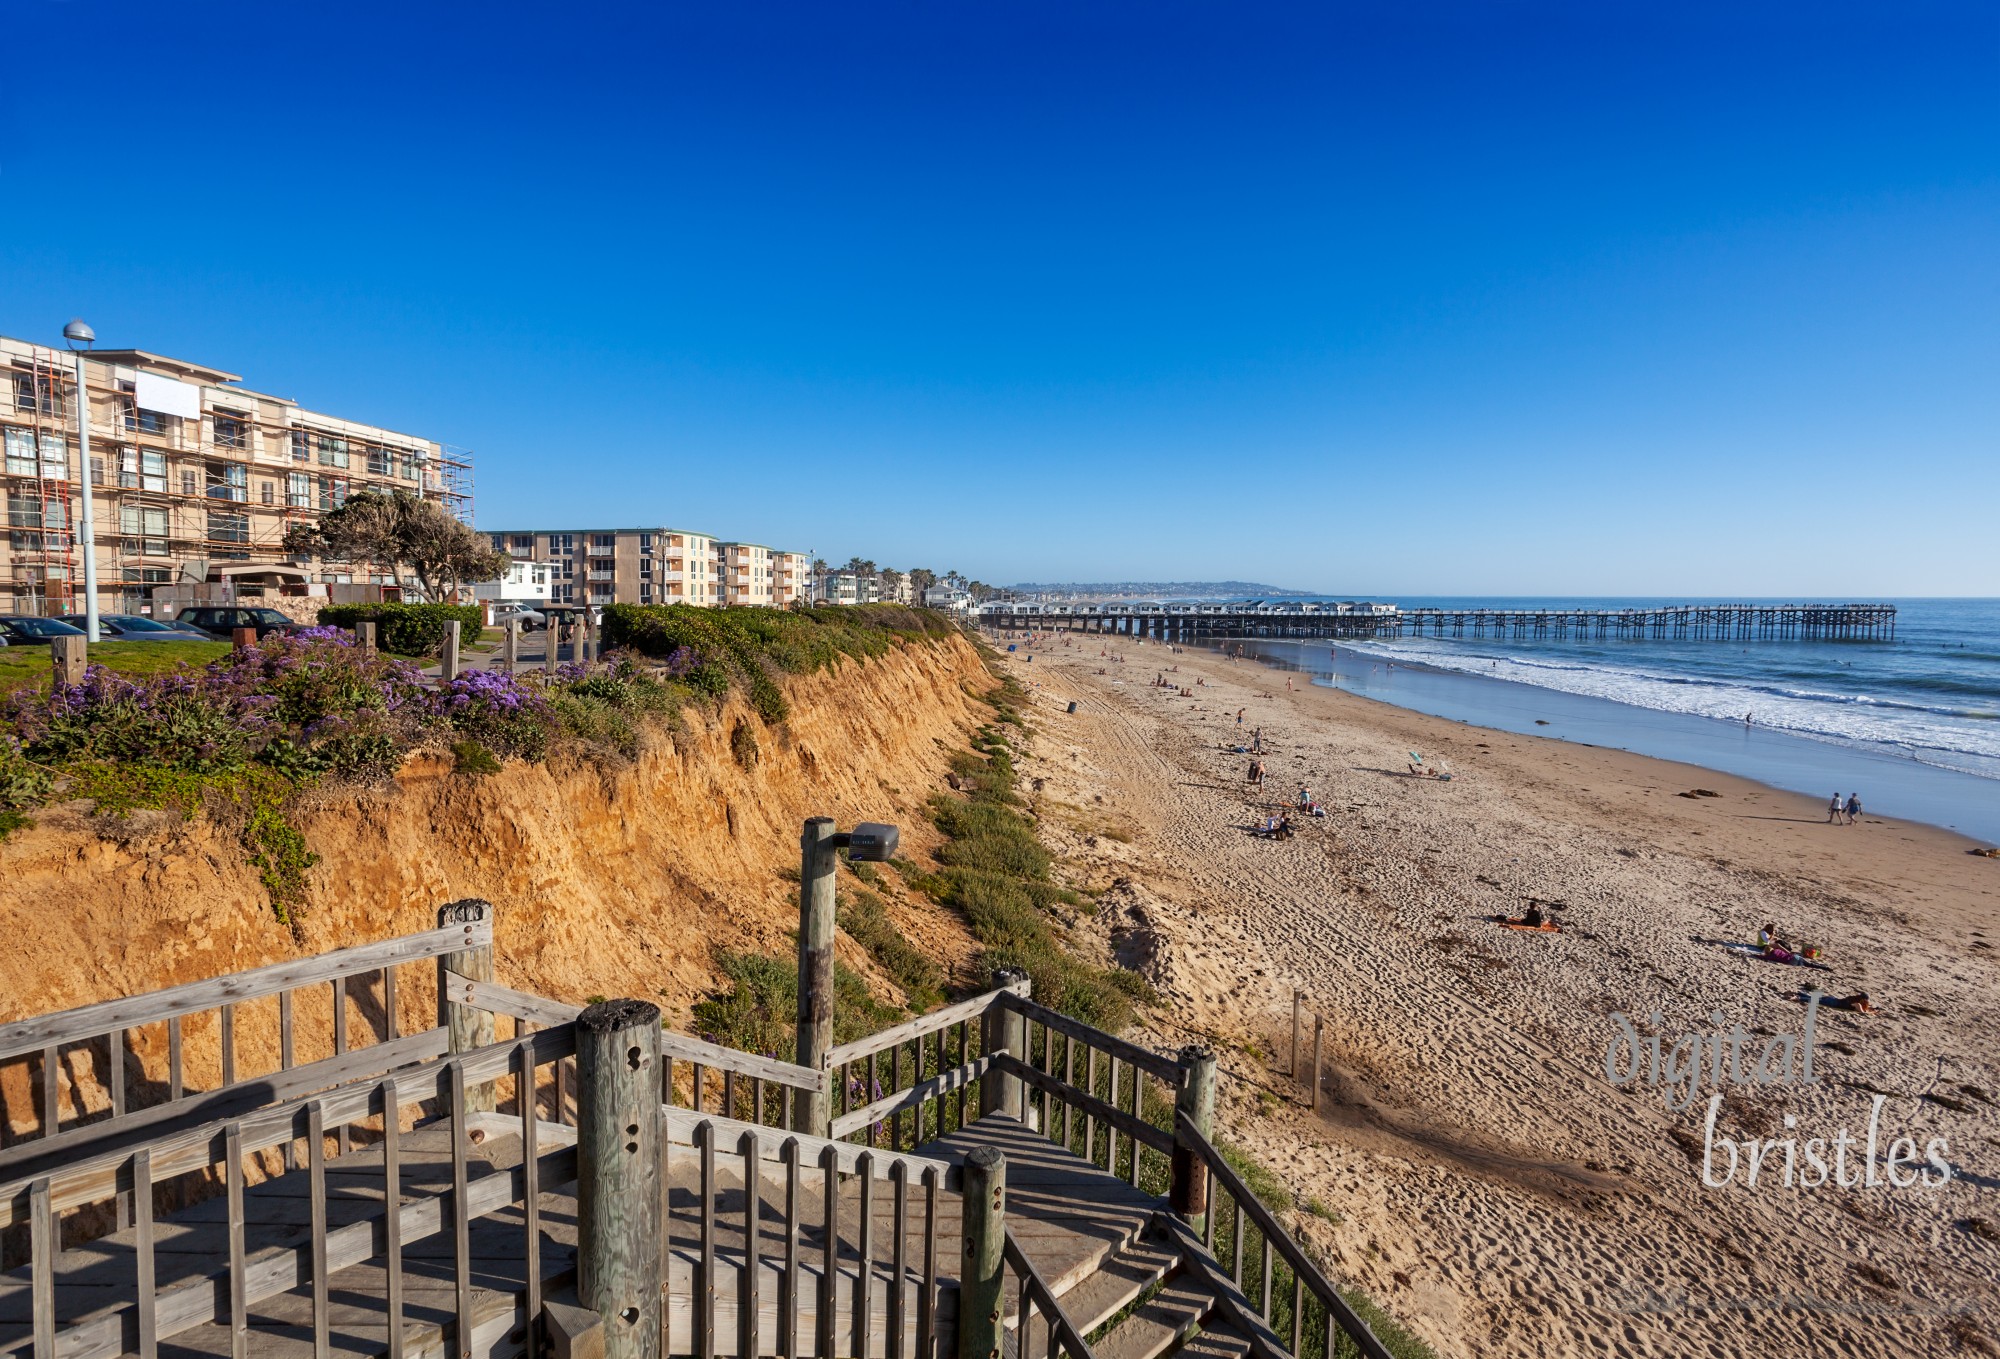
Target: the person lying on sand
pixel 1858 1003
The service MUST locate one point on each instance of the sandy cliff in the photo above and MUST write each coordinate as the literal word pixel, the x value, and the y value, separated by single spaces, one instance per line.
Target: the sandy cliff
pixel 610 879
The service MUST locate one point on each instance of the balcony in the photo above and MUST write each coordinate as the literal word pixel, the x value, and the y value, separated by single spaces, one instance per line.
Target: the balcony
pixel 600 575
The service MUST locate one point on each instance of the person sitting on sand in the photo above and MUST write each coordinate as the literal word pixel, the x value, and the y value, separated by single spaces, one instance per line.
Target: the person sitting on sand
pixel 1767 936
pixel 1533 916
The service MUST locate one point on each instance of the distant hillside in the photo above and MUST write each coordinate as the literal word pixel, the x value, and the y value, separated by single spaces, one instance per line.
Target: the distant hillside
pixel 1160 589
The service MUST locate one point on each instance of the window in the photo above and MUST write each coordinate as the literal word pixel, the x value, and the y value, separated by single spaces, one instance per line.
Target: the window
pixel 299 490
pixel 187 482
pixel 332 492
pixel 146 422
pixel 43 390
pixel 21 455
pixel 526 540
pixel 270 491
pixel 97 471
pixel 645 567
pixel 645 542
pixel 378 462
pixel 231 430
pixel 24 509
pixel 228 528
pixel 142 469
pixel 145 530
pixel 301 446
pixel 228 481
pixel 332 451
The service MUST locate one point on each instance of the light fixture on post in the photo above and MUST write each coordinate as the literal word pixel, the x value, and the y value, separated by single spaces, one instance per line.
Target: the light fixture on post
pixel 76 334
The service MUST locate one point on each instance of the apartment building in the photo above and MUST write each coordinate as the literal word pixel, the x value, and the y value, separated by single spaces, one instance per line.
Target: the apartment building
pixel 852 587
pixel 656 566
pixel 620 565
pixel 193 477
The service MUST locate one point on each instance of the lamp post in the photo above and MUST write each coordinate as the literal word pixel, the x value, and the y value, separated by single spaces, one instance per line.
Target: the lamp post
pixel 74 334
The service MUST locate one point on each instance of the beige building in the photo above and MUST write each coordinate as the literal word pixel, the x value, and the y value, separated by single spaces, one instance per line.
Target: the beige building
pixel 194 478
pixel 656 566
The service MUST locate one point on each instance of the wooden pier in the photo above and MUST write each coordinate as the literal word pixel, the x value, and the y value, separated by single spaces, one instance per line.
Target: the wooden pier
pixel 1680 622
pixel 527 1178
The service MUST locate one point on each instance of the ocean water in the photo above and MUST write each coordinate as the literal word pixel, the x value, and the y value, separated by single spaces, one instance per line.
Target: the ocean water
pixel 1913 723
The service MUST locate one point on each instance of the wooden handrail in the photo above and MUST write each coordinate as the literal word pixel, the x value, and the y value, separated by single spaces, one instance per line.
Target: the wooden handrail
pixel 1281 1241
pixel 958 1078
pixel 501 1000
pixel 1035 1287
pixel 1152 1063
pixel 1159 1139
pixel 921 1025
pixel 127 1012
pixel 100 1177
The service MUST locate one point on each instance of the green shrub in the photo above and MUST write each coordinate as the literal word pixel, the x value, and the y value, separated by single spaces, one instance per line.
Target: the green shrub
pixel 469 757
pixel 407 629
pixel 753 646
pixel 865 918
pixel 743 746
pixel 760 1010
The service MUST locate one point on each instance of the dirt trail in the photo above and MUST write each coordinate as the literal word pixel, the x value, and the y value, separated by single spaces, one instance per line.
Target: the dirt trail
pixel 1495 1188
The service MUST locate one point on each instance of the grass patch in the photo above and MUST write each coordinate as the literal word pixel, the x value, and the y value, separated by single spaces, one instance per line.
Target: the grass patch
pixel 995 872
pixel 865 918
pixel 759 1011
pixel 470 757
pixel 30 666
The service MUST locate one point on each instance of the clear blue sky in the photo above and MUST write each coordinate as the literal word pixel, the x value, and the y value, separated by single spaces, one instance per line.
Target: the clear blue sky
pixel 1489 298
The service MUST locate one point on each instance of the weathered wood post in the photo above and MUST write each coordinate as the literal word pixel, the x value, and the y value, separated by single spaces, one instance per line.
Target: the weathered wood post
pixel 552 631
pixel 1319 1047
pixel 982 1277
pixel 589 636
pixel 468 1026
pixel 1187 1190
pixel 364 636
pixel 69 656
pixel 1298 1008
pixel 618 1260
pixel 510 646
pixel 818 861
pixel 448 663
pixel 1002 1029
pixel 242 639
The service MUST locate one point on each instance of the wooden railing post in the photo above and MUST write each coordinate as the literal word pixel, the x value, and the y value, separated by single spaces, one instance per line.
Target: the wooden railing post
pixel 1187 1190
pixel 1002 1029
pixel 510 646
pixel 364 637
pixel 818 861
pixel 69 655
pixel 1298 1008
pixel 981 1278
pixel 1319 1047
pixel 448 662
pixel 618 1252
pixel 468 1027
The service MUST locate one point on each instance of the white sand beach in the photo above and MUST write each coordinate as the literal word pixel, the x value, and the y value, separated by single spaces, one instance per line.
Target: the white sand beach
pixel 1492 1186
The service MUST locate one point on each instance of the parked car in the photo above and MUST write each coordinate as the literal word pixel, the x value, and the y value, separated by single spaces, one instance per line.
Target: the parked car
pixel 529 619
pixel 20 629
pixel 133 627
pixel 221 622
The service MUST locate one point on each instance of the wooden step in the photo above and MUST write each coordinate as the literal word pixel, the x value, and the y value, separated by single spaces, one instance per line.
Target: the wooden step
pixel 1159 1324
pixel 1116 1283
pixel 1216 1340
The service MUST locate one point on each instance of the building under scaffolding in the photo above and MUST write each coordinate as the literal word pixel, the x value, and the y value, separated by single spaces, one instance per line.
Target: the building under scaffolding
pixel 195 479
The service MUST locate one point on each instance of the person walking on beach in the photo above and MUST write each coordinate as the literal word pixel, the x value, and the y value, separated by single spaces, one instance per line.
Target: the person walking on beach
pixel 1853 808
pixel 1834 810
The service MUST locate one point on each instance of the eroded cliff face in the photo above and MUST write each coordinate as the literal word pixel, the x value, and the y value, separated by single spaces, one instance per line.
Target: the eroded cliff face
pixel 612 879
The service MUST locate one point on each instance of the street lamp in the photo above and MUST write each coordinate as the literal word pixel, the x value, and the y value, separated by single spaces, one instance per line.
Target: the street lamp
pixel 74 334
